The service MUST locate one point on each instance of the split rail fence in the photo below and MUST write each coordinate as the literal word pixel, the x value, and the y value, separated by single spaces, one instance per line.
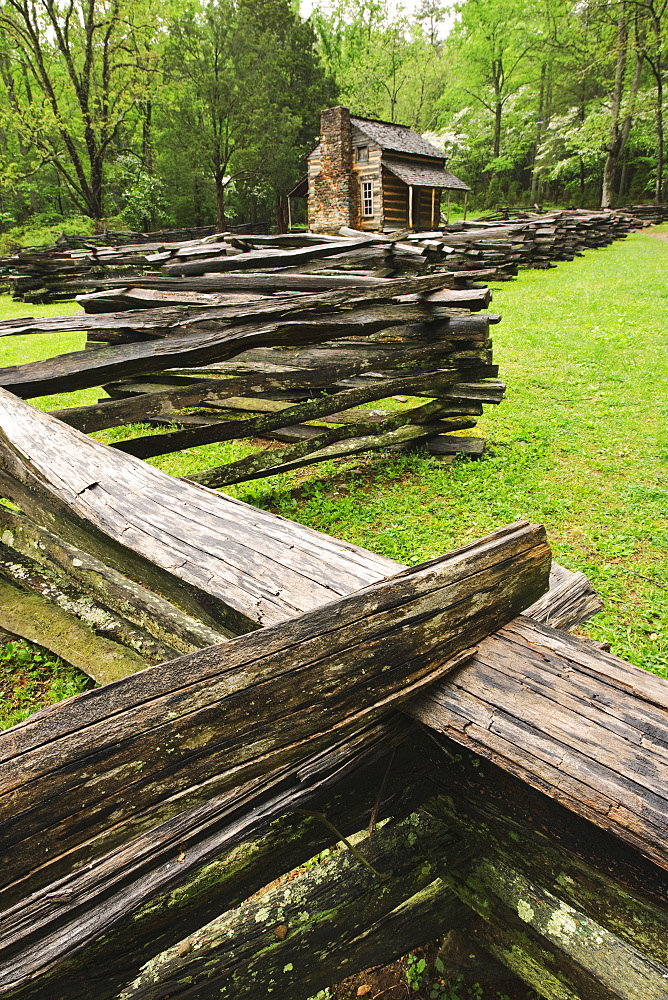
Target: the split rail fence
pixel 288 338
pixel 282 358
pixel 267 689
pixel 311 690
pixel 76 266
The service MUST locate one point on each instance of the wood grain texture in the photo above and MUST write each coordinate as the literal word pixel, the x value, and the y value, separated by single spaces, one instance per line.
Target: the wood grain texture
pixel 321 366
pixel 569 719
pixel 40 619
pixel 566 916
pixel 332 297
pixel 336 666
pixel 244 845
pixel 328 445
pixel 552 946
pixel 106 602
pixel 570 601
pixel 529 831
pixel 200 335
pixel 272 258
pixel 260 566
pixel 527 240
pixel 313 409
pixel 188 762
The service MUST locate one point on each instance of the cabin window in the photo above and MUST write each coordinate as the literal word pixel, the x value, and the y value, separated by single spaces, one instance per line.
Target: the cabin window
pixel 367 198
pixel 362 154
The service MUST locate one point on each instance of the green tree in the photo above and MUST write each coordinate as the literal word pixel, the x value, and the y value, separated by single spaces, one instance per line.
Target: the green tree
pixel 248 92
pixel 366 49
pixel 621 104
pixel 652 16
pixel 499 41
pixel 74 73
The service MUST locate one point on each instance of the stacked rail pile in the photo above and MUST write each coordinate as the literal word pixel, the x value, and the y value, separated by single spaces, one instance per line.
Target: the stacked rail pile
pixel 530 240
pixel 535 239
pixel 649 215
pixel 52 271
pixel 277 361
pixel 524 770
pixel 42 276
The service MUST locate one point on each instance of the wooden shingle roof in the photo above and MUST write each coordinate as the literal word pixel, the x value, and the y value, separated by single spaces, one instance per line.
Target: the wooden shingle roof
pixel 398 138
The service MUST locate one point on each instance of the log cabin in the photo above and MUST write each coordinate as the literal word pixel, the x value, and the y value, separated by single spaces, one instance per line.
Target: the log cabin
pixel 374 175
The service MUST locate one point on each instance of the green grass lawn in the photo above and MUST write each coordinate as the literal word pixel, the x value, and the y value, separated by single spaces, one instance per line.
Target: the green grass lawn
pixel 580 443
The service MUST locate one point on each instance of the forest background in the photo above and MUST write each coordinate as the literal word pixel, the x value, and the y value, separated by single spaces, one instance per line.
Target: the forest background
pixel 144 114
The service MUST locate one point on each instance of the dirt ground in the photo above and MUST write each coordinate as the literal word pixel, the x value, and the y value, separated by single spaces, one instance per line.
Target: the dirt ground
pixel 468 973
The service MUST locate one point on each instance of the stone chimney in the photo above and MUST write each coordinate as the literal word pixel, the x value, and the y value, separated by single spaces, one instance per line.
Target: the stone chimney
pixel 331 204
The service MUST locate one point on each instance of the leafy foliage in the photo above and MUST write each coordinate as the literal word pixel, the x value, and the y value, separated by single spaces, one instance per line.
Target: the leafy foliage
pixel 197 111
pixel 30 678
pixel 532 99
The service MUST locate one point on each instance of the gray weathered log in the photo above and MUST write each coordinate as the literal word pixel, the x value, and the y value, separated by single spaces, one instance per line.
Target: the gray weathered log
pixel 571 596
pixel 230 851
pixel 160 320
pixel 556 949
pixel 445 444
pixel 313 409
pixel 200 338
pixel 102 598
pixel 45 620
pixel 505 819
pixel 327 365
pixel 569 719
pixel 560 921
pixel 336 443
pixel 270 258
pixel 264 282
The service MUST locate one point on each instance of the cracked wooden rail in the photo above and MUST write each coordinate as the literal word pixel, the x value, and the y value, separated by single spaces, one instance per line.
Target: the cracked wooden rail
pixel 576 910
pixel 176 750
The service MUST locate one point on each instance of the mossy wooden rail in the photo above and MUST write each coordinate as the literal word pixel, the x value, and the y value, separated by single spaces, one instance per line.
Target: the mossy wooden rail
pixel 526 778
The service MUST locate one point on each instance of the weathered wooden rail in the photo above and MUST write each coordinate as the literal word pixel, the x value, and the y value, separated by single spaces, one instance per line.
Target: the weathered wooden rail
pixel 526 779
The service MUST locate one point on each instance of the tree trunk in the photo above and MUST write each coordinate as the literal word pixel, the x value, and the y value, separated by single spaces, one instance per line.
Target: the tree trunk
pixel 281 214
pixel 659 138
pixel 614 146
pixel 539 134
pixel 628 118
pixel 497 128
pixel 149 220
pixel 220 202
pixel 197 202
